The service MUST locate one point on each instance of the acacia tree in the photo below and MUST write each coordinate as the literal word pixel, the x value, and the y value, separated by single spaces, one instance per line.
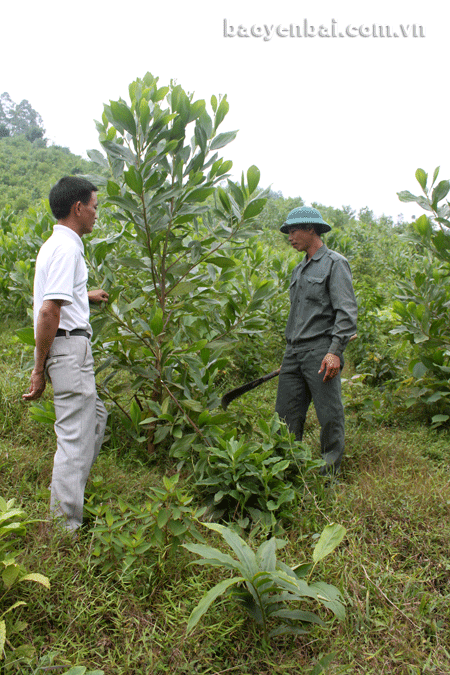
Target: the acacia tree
pixel 424 298
pixel 182 280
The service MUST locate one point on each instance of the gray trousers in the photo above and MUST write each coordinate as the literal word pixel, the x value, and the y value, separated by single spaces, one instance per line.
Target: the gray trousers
pixel 298 384
pixel 80 425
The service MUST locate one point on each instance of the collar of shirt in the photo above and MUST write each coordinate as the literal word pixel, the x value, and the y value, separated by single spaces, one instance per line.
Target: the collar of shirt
pixel 63 229
pixel 317 255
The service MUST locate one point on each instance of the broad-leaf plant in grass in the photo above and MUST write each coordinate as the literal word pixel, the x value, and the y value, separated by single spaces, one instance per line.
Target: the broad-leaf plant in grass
pixel 276 596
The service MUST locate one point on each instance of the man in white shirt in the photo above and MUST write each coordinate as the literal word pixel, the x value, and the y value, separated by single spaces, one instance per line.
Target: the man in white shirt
pixel 63 348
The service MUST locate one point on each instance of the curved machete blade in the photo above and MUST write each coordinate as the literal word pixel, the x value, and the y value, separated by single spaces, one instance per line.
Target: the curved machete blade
pixel 235 393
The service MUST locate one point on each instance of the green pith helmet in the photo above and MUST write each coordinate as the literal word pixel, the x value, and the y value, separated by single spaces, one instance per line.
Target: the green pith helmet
pixel 305 215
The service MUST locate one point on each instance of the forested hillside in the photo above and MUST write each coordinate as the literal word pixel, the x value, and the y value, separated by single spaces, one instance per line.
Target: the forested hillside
pixel 28 166
pixel 190 502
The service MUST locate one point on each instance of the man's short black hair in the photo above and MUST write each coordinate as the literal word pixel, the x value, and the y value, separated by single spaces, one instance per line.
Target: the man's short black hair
pixel 306 227
pixel 68 191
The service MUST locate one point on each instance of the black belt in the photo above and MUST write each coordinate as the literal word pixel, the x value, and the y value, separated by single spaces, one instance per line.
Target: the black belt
pixel 77 331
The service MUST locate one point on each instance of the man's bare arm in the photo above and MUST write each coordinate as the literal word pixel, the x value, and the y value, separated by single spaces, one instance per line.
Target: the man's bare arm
pixel 47 325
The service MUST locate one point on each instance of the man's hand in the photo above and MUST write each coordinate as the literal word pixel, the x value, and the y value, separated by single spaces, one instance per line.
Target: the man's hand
pixel 37 386
pixel 331 364
pixel 97 296
pixel 47 325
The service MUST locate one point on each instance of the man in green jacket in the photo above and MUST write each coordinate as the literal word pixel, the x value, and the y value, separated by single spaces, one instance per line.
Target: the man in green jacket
pixel 321 321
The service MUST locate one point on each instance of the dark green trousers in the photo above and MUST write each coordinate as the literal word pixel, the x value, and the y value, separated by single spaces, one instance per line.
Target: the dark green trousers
pixel 299 382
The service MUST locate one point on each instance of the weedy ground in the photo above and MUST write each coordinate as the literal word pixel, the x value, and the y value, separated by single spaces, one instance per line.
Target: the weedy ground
pixel 393 568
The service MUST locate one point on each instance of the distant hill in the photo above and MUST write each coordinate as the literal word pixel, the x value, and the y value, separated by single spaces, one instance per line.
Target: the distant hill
pixel 28 169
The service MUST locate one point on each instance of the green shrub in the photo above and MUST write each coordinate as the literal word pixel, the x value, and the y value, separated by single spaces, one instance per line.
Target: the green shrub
pixel 12 527
pixel 256 477
pixel 129 538
pixel 422 304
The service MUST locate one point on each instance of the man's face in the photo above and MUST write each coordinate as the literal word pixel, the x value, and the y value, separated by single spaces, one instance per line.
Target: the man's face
pixel 300 239
pixel 88 214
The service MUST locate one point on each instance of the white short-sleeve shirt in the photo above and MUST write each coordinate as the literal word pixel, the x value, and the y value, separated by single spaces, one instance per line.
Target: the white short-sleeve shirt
pixel 61 274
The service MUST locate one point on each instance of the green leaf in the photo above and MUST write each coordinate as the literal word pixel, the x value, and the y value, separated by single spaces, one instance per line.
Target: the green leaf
pixel 321 666
pixel 205 121
pixel 26 335
pixel 436 396
pixel 10 575
pixel 212 556
pixel 302 570
pixel 133 179
pixel 112 189
pixel 223 262
pixel 438 419
pixel 191 404
pixel 440 191
pixel 243 551
pixel 19 603
pixel 38 578
pixel 162 518
pixel 253 176
pixel 422 226
pixel 98 158
pixel 237 193
pixel 298 615
pixel 144 114
pixel 254 208
pixel 183 288
pixel 135 413
pixel 224 199
pixel 200 137
pixel 208 599
pixel 224 167
pixel 435 175
pixel 419 370
pixel 286 630
pixel 11 513
pixel 399 308
pixel 222 110
pixel 331 537
pixel 265 555
pixel 169 483
pixel 156 322
pixel 336 607
pixel 196 110
pixel 160 94
pixel 177 528
pixel 221 140
pixel 422 178
pixel 123 115
pixel 2 637
pixel 406 196
pixel 199 194
pixel 329 596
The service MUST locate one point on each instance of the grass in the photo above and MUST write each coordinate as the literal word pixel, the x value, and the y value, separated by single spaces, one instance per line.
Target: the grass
pixel 393 568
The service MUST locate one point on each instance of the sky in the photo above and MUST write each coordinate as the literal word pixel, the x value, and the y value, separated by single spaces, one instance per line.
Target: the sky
pixel 335 120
